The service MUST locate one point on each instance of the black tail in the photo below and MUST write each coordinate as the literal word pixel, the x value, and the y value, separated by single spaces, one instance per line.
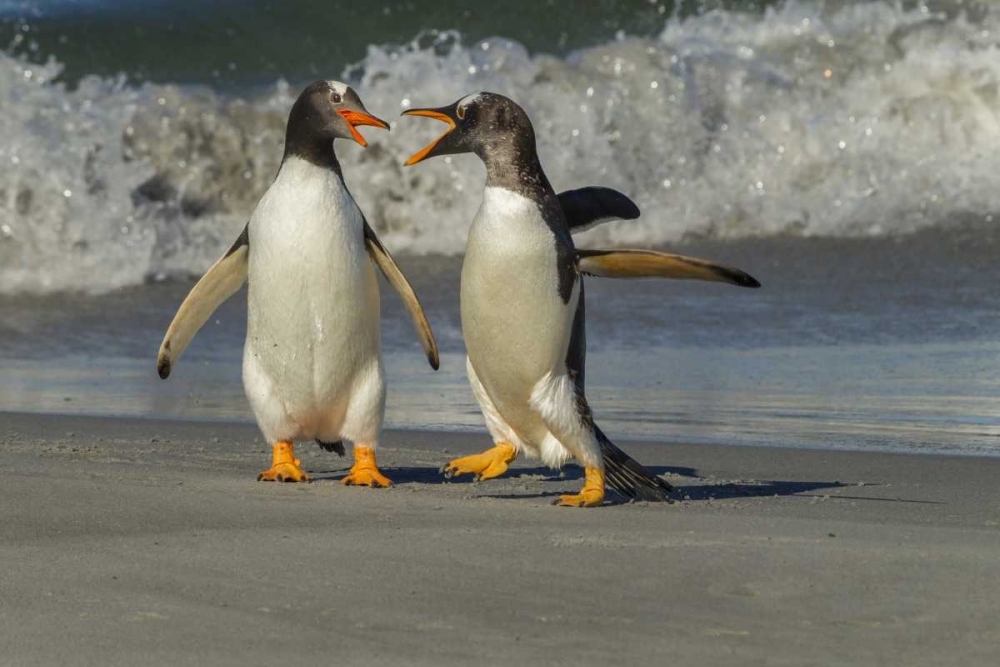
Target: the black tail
pixel 627 476
pixel 337 446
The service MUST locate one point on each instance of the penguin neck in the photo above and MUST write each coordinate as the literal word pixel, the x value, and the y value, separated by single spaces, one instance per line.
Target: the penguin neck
pixel 517 168
pixel 315 150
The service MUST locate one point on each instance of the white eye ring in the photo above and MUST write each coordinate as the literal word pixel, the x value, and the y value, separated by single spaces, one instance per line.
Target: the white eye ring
pixel 335 97
pixel 461 113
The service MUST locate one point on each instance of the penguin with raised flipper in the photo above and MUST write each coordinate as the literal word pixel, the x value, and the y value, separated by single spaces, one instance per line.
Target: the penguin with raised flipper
pixel 523 307
pixel 312 365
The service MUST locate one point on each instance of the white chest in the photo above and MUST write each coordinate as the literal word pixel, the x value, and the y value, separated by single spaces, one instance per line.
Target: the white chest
pixel 516 326
pixel 313 302
pixel 510 225
pixel 306 211
pixel 510 256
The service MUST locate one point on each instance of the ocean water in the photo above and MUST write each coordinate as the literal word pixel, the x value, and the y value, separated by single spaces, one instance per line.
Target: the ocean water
pixel 843 153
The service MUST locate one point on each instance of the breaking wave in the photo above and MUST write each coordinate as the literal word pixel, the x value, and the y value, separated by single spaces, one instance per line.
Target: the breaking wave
pixel 868 119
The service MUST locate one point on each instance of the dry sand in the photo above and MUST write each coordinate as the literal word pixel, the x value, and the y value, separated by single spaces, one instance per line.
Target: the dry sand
pixel 132 542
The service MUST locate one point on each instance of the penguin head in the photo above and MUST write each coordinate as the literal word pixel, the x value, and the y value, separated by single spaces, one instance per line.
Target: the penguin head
pixel 487 124
pixel 328 110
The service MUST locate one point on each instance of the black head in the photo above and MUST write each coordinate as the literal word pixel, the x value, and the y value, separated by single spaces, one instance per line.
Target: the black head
pixel 326 110
pixel 492 126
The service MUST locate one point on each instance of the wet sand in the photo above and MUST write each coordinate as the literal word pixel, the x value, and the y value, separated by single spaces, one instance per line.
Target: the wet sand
pixel 129 542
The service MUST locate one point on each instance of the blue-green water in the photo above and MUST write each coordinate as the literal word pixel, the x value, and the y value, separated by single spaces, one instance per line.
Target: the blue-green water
pixel 861 344
pixel 234 43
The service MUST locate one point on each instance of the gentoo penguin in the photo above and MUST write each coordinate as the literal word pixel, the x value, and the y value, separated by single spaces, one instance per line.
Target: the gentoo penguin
pixel 312 366
pixel 523 307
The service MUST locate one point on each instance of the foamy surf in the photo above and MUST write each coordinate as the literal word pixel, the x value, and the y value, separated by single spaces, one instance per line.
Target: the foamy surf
pixel 864 120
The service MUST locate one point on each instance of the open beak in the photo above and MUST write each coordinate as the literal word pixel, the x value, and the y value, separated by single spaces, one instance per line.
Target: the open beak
pixel 436 114
pixel 355 118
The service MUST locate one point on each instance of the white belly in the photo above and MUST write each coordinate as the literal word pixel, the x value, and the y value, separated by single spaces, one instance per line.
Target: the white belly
pixel 515 324
pixel 313 322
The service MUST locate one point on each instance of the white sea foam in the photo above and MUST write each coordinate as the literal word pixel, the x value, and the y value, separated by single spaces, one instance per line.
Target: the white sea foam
pixel 863 120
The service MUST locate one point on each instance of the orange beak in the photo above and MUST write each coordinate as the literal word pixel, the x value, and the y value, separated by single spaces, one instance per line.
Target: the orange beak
pixel 425 151
pixel 355 118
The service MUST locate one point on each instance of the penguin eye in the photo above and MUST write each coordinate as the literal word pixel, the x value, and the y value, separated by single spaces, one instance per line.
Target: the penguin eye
pixel 461 113
pixel 335 97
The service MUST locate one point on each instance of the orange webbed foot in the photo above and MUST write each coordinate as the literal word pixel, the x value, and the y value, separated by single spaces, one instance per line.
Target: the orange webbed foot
pixel 591 495
pixel 365 470
pixel 486 465
pixel 284 466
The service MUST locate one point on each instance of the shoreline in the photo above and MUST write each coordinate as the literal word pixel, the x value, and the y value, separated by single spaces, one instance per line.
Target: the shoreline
pixel 421 432
pixel 148 541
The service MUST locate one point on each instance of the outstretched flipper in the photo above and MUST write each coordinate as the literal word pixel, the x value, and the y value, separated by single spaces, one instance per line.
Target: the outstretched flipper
pixel 652 264
pixel 396 278
pixel 218 284
pixel 627 476
pixel 588 207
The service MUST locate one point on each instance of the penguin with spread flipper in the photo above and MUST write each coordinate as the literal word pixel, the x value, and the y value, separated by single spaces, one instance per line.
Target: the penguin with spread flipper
pixel 523 307
pixel 312 365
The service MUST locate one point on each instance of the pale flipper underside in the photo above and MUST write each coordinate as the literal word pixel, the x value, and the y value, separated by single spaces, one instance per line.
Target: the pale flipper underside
pixel 218 284
pixel 652 264
pixel 396 278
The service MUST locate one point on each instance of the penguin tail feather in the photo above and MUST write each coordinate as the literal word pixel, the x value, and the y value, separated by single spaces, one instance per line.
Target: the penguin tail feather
pixel 628 477
pixel 337 446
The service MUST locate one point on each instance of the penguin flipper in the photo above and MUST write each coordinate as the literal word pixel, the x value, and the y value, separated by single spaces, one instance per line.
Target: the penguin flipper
pixel 588 207
pixel 218 284
pixel 652 264
pixel 627 476
pixel 396 278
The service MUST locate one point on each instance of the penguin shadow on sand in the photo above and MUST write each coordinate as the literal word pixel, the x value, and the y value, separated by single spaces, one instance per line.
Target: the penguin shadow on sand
pixel 400 476
pixel 559 481
pixel 735 489
pixel 700 489
pixel 404 475
pixel 693 487
pixel 709 488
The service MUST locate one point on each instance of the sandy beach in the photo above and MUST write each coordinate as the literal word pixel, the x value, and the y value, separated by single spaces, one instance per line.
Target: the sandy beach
pixel 131 542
